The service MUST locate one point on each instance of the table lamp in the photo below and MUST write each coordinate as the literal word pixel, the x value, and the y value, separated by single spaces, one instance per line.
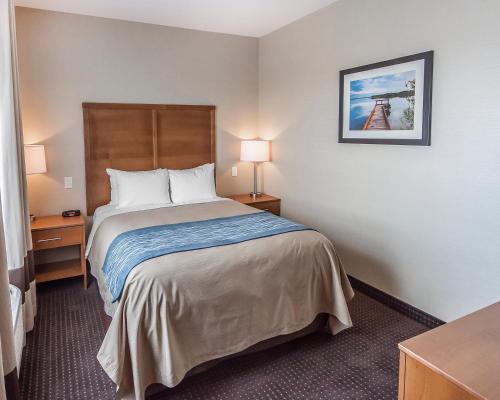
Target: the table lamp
pixel 34 157
pixel 256 151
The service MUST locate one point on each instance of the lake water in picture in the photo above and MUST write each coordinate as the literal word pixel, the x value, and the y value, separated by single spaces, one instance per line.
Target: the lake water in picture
pixel 384 102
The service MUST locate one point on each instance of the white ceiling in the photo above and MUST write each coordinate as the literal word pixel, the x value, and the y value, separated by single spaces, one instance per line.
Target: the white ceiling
pixel 240 17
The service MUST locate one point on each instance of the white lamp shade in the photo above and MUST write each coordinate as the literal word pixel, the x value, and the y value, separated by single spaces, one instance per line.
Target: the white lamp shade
pixel 254 150
pixel 34 156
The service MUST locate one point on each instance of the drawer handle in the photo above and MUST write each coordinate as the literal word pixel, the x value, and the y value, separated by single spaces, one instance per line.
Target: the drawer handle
pixel 49 240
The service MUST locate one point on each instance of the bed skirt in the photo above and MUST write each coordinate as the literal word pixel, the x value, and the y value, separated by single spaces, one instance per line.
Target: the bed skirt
pixel 320 323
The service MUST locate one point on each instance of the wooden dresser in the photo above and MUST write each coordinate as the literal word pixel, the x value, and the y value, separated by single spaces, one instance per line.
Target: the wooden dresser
pixel 457 361
pixel 264 202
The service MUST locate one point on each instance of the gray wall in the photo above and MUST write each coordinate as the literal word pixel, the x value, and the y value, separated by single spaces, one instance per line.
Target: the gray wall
pixel 66 59
pixel 421 223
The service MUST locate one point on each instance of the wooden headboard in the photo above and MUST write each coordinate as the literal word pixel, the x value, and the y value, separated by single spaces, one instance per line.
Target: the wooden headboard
pixel 135 137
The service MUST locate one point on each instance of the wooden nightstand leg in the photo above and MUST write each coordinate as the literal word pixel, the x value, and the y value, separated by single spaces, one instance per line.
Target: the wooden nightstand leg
pixel 84 267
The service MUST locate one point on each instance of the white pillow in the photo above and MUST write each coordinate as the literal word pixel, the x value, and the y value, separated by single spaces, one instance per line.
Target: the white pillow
pixel 192 184
pixel 114 182
pixel 114 185
pixel 142 187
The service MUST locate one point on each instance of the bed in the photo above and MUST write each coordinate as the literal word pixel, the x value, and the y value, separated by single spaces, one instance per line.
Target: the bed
pixel 178 313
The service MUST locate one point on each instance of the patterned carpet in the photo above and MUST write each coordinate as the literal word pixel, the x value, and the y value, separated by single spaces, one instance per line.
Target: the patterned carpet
pixel 361 363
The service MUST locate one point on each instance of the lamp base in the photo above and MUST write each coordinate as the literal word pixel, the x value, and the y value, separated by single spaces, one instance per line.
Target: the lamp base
pixel 254 195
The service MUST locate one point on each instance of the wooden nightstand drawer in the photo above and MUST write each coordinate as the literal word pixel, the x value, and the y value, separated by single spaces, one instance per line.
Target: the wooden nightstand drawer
pixel 271 206
pixel 57 237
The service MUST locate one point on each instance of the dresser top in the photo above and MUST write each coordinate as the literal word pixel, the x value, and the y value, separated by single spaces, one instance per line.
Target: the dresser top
pixel 55 221
pixel 466 351
pixel 247 199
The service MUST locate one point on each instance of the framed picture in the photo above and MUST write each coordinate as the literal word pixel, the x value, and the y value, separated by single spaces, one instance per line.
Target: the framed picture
pixel 387 102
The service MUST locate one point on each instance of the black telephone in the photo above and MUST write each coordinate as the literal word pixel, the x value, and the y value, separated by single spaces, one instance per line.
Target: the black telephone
pixel 71 213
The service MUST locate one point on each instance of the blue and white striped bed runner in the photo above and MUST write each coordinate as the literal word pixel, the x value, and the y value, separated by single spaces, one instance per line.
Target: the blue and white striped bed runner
pixel 131 248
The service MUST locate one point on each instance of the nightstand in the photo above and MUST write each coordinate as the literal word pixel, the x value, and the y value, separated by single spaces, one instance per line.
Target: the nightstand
pixel 56 232
pixel 264 202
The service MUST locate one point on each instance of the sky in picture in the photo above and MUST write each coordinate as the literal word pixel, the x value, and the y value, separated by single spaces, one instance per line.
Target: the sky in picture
pixel 381 84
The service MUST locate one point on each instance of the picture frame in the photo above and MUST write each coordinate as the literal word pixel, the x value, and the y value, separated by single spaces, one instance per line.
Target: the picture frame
pixel 387 102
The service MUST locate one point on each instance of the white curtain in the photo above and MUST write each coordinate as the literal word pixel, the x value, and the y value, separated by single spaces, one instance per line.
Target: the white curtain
pixel 12 177
pixel 17 257
pixel 9 383
pixel 13 192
